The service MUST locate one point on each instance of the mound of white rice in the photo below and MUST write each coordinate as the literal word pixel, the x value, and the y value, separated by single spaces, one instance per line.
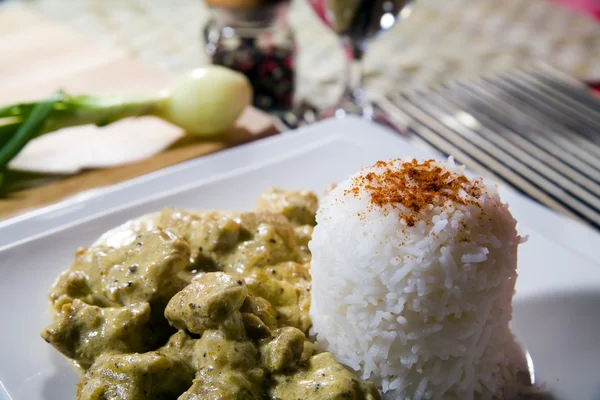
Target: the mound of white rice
pixel 413 273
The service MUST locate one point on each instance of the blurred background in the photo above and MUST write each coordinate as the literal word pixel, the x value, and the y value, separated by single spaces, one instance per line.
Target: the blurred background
pixel 306 60
pixel 441 39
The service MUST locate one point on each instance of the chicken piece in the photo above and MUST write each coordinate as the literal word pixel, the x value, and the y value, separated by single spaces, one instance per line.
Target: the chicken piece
pixel 233 242
pixel 321 377
pixel 261 308
pixel 206 302
pixel 154 375
pixel 206 232
pixel 220 385
pixel 287 287
pixel 309 350
pixel 303 236
pixel 147 270
pixel 273 241
pixel 181 345
pixel 227 369
pixel 299 207
pixel 298 275
pixel 216 350
pixel 254 327
pixel 281 294
pixel 83 332
pixel 74 283
pixel 258 318
pixel 283 350
pixel 140 270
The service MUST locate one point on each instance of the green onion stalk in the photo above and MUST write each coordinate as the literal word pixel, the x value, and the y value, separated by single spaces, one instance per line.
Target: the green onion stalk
pixel 205 102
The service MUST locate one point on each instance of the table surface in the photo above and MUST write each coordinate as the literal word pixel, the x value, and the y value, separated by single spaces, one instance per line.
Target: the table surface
pixel 440 41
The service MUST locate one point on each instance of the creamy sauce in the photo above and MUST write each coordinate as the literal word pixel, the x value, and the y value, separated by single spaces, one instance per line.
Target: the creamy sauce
pixel 199 305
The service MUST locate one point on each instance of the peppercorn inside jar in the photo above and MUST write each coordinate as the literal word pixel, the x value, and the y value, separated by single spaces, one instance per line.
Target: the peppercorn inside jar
pixel 253 37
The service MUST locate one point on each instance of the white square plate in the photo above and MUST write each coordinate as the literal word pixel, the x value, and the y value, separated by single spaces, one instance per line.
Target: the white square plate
pixel 558 290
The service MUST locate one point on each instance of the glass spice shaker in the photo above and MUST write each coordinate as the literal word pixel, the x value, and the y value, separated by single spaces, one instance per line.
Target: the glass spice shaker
pixel 253 37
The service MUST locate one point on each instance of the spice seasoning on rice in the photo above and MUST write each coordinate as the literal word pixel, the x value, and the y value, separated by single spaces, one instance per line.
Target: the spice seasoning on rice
pixel 414 185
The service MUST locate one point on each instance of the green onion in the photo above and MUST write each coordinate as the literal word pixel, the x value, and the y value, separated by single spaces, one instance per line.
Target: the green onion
pixel 26 131
pixel 12 145
pixel 204 102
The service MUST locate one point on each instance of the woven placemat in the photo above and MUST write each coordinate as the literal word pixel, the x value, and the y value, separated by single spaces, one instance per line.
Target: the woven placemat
pixel 441 40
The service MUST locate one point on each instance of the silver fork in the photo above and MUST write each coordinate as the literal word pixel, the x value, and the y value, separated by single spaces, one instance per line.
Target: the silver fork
pixel 532 128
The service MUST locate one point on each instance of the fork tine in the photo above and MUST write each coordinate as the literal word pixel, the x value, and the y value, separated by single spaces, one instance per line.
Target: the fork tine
pixel 531 122
pixel 506 140
pixel 576 94
pixel 482 165
pixel 536 173
pixel 562 143
pixel 534 128
pixel 553 107
pixel 569 85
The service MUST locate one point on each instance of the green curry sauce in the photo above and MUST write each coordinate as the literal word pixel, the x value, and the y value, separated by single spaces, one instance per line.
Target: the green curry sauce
pixel 199 305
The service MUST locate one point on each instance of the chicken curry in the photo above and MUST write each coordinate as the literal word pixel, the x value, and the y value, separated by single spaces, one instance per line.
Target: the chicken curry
pixel 199 305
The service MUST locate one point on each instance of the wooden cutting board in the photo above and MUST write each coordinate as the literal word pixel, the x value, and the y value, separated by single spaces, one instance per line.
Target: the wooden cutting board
pixel 38 56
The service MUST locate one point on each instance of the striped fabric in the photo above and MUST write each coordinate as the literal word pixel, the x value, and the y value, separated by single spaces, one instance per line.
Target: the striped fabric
pixel 535 129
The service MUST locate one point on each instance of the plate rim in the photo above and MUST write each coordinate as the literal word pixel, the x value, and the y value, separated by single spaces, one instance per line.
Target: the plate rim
pixel 81 200
pixel 200 182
